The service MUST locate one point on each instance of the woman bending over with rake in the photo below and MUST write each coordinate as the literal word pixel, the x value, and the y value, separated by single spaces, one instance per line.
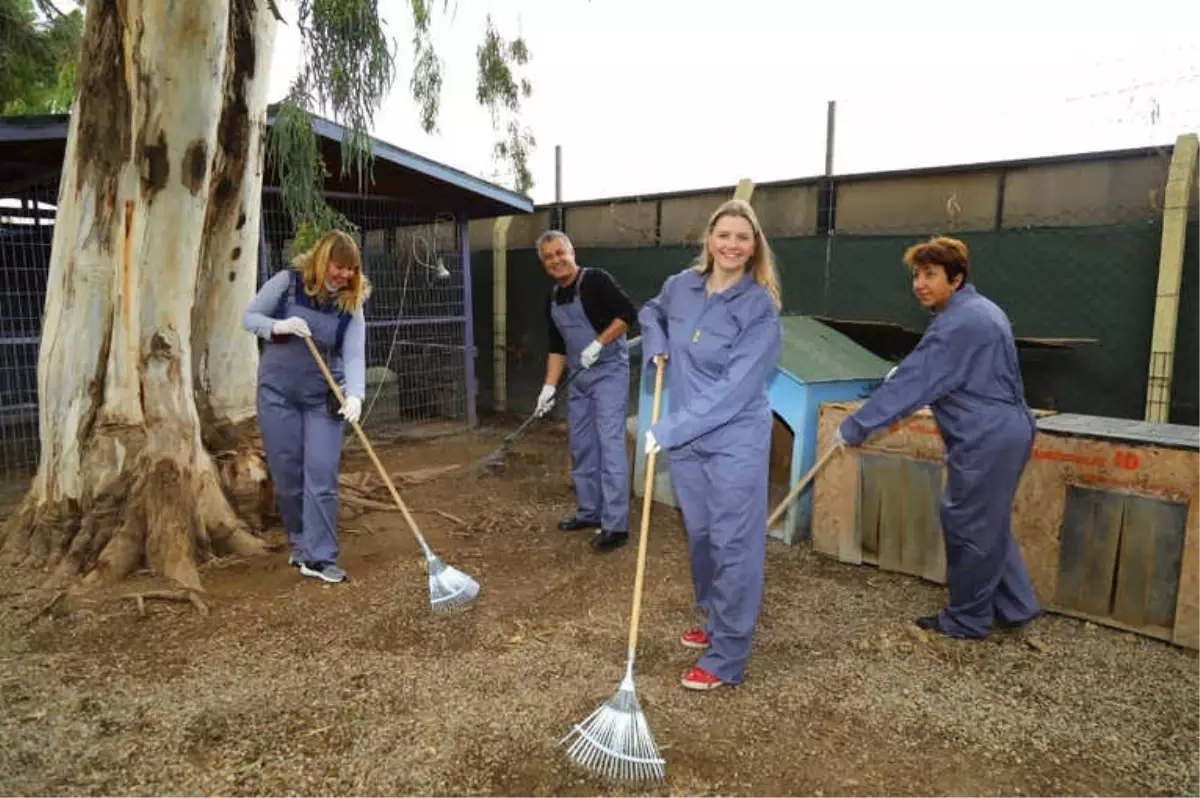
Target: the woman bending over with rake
pixel 717 325
pixel 321 297
pixel 966 369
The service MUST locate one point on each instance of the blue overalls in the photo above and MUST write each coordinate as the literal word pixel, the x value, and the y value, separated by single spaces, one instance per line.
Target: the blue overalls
pixel 597 402
pixel 722 351
pixel 966 369
pixel 302 437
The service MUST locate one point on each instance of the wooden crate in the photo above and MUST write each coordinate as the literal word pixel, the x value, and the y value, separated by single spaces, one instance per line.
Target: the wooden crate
pixel 1105 514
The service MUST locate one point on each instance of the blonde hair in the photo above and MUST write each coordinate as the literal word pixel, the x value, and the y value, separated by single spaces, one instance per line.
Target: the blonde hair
pixel 761 264
pixel 339 247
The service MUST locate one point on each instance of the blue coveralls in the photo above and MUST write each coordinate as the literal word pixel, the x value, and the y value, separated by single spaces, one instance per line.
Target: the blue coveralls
pixel 302 437
pixel 965 368
pixel 722 351
pixel 597 401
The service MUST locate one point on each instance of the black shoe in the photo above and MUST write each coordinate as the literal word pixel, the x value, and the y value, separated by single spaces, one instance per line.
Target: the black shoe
pixel 574 524
pixel 929 622
pixel 607 541
pixel 1002 624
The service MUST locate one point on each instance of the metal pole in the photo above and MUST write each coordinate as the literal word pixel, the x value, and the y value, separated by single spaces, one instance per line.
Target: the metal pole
pixel 464 246
pixel 830 119
pixel 558 208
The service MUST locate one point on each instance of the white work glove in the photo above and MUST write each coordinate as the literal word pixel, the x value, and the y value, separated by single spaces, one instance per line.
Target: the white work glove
pixel 293 325
pixel 651 444
pixel 838 441
pixel 545 401
pixel 590 354
pixel 352 409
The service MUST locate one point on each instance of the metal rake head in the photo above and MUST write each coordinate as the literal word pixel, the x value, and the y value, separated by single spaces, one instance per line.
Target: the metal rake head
pixel 615 741
pixel 496 459
pixel 449 588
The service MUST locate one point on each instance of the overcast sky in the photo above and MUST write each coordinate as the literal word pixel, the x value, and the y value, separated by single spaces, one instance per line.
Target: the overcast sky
pixel 661 95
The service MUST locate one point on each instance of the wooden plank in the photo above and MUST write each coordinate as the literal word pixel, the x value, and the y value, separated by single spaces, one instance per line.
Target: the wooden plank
pixel 870 503
pixel 1154 531
pixel 1100 554
pixel 890 475
pixel 1091 533
pixel 1187 605
pixel 929 518
pixel 923 532
pixel 1135 565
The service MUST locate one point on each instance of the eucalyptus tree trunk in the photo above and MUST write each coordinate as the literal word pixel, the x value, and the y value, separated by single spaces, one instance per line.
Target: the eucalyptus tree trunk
pixel 145 377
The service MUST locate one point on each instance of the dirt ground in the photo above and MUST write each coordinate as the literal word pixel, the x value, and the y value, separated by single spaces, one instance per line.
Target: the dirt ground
pixel 288 686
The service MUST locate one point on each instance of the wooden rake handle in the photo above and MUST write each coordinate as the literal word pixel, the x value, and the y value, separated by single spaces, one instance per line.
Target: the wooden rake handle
pixel 800 486
pixel 647 501
pixel 366 443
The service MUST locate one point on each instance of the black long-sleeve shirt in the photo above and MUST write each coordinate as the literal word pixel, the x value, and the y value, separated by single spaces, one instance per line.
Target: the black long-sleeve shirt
pixel 602 298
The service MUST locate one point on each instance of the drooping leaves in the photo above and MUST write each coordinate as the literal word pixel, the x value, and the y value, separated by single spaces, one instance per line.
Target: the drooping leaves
pixel 39 53
pixel 346 73
pixel 501 92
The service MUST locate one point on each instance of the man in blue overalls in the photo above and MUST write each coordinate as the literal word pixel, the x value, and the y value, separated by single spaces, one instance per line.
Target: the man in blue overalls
pixel 588 314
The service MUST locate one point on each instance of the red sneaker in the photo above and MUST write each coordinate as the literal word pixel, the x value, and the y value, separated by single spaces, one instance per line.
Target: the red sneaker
pixel 700 679
pixel 695 639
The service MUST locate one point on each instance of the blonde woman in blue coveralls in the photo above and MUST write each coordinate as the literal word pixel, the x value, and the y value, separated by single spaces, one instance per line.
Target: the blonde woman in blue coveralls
pixel 717 324
pixel 322 298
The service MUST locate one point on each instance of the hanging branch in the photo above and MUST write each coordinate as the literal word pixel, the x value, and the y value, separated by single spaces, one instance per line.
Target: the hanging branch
pixel 347 70
pixel 501 93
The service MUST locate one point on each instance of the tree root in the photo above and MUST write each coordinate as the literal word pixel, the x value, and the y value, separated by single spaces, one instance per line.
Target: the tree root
pixel 161 514
pixel 49 605
pixel 167 595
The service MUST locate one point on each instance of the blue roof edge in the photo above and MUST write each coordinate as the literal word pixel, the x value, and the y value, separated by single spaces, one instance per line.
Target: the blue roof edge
pixel 56 126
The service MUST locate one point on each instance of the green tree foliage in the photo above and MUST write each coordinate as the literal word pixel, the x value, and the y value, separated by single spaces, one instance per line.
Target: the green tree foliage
pixel 39 51
pixel 348 68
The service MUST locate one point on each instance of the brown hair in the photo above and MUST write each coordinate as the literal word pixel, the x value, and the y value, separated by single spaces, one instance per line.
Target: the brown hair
pixel 761 264
pixel 949 253
pixel 340 248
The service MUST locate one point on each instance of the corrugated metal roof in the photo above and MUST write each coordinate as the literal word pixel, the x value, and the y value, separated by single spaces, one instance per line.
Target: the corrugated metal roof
pixel 813 352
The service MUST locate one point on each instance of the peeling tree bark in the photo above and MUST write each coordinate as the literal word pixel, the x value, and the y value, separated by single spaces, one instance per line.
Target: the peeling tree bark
pixel 227 277
pixel 160 165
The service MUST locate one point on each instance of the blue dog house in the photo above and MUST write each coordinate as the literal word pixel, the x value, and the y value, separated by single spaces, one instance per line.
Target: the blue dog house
pixel 818 365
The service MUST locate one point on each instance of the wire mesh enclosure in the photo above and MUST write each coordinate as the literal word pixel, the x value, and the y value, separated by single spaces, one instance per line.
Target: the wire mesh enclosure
pixel 419 347
pixel 26 236
pixel 418 315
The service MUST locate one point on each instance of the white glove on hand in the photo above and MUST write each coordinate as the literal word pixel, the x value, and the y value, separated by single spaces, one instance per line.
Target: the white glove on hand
pixel 838 441
pixel 590 354
pixel 352 409
pixel 651 444
pixel 293 325
pixel 545 401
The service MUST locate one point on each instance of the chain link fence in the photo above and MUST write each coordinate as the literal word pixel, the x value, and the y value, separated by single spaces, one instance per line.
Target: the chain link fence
pixel 26 235
pixel 418 325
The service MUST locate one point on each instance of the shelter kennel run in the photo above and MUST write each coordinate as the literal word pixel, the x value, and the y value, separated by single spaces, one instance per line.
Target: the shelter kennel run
pixel 1106 515
pixel 420 346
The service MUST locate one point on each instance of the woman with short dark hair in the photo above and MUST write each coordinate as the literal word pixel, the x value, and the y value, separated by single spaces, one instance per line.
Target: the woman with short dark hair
pixel 965 369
